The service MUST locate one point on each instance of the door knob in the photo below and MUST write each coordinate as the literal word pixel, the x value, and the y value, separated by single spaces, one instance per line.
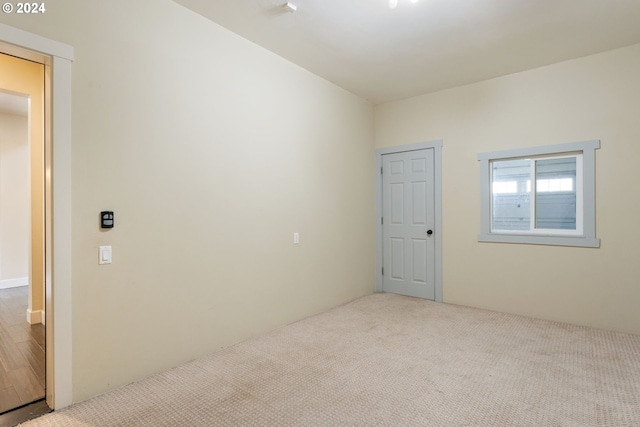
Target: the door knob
pixel 429 232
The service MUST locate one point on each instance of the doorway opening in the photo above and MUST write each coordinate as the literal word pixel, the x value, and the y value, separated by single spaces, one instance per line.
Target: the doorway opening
pixel 22 233
pixel 56 58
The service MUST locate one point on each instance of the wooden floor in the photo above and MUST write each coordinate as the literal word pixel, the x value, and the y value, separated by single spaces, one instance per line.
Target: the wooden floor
pixel 22 352
pixel 24 414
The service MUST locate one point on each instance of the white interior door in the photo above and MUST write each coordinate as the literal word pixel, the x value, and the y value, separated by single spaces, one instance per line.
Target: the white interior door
pixel 408 209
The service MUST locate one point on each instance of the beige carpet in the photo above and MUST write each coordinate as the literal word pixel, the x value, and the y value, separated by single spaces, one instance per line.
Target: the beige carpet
pixel 387 360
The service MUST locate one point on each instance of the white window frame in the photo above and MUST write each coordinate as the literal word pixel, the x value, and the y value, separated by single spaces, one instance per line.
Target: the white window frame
pixel 584 235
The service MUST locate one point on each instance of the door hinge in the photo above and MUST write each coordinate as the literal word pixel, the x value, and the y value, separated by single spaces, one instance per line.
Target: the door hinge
pixel 383 271
pixel 380 171
pixel 381 220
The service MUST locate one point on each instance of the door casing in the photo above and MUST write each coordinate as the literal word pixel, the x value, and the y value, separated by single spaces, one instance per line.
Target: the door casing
pixel 57 58
pixel 437 158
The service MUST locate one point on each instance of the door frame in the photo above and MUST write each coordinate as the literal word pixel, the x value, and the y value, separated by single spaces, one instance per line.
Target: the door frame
pixel 437 171
pixel 57 58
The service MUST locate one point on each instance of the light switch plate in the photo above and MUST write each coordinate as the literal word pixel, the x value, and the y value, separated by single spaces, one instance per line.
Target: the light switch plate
pixel 104 255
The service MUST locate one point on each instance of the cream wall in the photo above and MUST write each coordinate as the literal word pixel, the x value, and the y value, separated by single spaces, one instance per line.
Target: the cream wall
pixel 596 97
pixel 14 197
pixel 212 152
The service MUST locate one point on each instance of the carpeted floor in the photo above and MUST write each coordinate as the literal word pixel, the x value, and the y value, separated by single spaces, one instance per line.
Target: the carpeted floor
pixel 388 360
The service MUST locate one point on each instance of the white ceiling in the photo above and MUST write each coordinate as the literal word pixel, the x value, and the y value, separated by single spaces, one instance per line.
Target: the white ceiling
pixel 13 104
pixel 385 54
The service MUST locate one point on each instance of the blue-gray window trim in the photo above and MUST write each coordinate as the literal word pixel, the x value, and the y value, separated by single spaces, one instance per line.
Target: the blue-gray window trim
pixel 587 239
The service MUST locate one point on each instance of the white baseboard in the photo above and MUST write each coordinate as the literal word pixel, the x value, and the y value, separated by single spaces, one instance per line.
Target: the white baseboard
pixel 35 316
pixel 14 283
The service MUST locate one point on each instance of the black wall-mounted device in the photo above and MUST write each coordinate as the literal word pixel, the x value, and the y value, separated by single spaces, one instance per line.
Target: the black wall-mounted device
pixel 106 219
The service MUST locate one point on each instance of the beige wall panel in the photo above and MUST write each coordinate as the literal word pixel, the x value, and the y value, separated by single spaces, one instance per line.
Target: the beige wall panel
pixel 595 97
pixel 212 152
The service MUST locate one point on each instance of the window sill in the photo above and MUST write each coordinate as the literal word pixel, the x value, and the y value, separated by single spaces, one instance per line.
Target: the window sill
pixel 580 241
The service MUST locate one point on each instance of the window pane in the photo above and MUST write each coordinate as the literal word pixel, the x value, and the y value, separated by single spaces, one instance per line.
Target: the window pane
pixel 556 193
pixel 510 196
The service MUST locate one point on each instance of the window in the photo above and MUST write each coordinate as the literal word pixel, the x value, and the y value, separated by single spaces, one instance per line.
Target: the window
pixel 540 195
pixel 550 203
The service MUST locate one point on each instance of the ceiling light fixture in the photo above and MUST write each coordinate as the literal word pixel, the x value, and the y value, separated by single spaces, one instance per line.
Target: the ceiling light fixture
pixel 394 3
pixel 290 7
